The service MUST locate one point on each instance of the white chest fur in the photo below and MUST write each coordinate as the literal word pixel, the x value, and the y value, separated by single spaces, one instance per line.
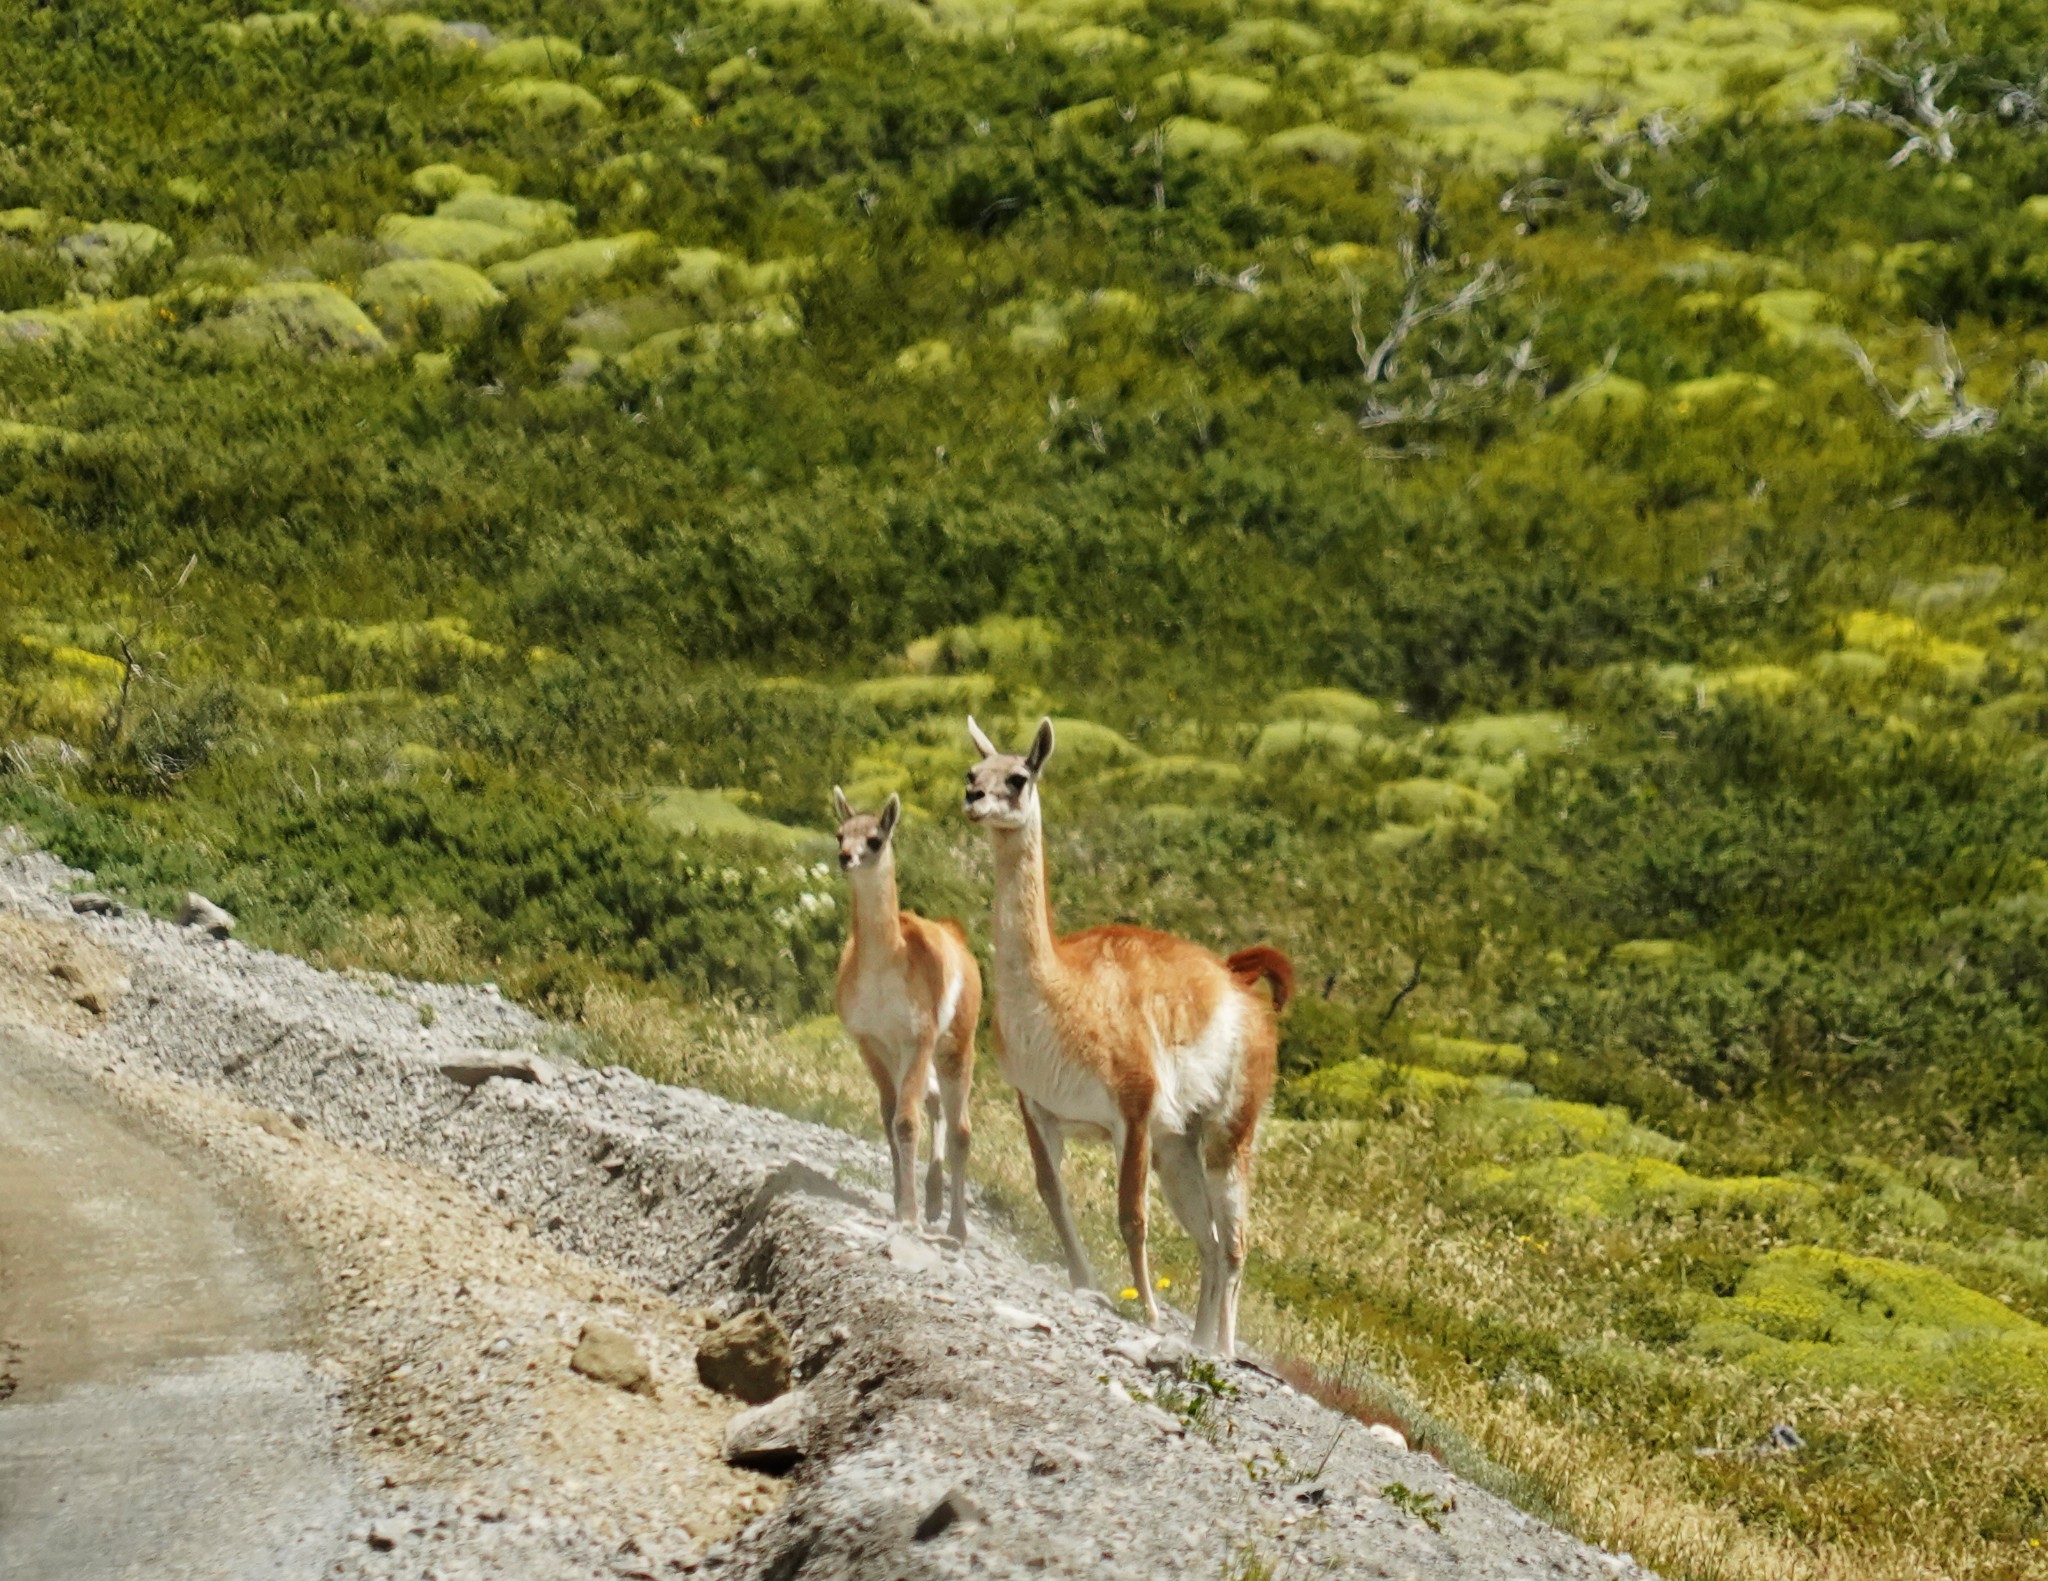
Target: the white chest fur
pixel 1036 1061
pixel 878 1008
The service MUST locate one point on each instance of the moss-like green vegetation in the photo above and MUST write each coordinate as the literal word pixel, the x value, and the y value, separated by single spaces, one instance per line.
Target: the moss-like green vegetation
pixel 1809 1314
pixel 1481 489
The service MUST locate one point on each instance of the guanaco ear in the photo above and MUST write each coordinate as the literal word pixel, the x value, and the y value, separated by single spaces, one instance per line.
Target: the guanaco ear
pixel 891 811
pixel 841 805
pixel 979 737
pixel 1041 748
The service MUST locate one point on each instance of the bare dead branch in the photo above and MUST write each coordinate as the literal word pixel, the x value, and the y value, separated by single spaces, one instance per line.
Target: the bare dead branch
pixel 137 654
pixel 2024 104
pixel 1414 982
pixel 1488 282
pixel 1417 199
pixel 1529 200
pixel 1246 280
pixel 1964 419
pixel 1630 202
pixel 1661 132
pixel 1922 120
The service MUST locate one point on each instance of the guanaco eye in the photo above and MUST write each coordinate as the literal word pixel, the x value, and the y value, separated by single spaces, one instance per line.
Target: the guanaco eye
pixel 1018 782
pixel 874 842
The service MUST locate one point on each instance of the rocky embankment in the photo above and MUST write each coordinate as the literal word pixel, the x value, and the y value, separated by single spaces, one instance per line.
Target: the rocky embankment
pixel 944 1411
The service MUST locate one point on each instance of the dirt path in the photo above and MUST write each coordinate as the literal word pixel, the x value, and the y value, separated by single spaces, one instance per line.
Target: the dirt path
pixel 163 1422
pixel 230 1348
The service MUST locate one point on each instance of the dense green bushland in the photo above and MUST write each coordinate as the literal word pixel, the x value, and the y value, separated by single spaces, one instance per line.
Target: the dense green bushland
pixel 1507 505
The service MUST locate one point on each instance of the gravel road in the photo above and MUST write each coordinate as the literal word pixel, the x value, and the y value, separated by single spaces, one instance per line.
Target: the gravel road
pixel 163 1420
pixel 961 1413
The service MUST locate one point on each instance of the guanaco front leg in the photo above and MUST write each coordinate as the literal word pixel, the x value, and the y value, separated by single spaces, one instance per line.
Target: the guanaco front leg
pixel 1047 1146
pixel 953 1103
pixel 903 1130
pixel 885 1089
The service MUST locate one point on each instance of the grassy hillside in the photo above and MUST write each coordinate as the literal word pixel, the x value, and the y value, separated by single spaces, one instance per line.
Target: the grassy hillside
pixel 1531 508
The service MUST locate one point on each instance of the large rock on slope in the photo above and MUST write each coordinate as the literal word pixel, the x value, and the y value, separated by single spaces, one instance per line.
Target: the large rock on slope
pixel 747 1358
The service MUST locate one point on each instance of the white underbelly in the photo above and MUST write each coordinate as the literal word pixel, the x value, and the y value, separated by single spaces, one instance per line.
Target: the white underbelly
pixel 1195 1081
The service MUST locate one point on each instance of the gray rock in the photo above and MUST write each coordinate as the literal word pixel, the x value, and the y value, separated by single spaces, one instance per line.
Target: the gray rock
pixel 910 1254
pixel 92 902
pixel 201 913
pixel 1050 1458
pixel 957 1508
pixel 747 1358
pixel 652 1558
pixel 1018 1318
pixel 771 1437
pixel 1169 1354
pixel 478 1066
pixel 1167 1423
pixel 605 1355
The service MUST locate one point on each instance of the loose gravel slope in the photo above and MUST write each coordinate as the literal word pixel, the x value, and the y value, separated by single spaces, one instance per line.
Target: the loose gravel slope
pixel 965 1413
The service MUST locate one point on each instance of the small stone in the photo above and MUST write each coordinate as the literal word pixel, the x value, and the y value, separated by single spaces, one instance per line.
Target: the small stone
pixel 1048 1459
pixel 645 1557
pixel 1169 1354
pixel 92 902
pixel 957 1508
pixel 747 1357
pixel 604 1355
pixel 1391 1436
pixel 384 1535
pixel 910 1254
pixel 201 913
pixel 474 1069
pixel 92 986
pixel 1170 1425
pixel 1018 1318
pixel 1133 1350
pixel 771 1437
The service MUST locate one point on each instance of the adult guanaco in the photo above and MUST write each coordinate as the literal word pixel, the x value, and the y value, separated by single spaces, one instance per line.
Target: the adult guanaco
pixel 909 995
pixel 1137 1036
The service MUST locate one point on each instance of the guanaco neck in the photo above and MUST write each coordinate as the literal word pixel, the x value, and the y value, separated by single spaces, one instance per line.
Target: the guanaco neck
pixel 1023 914
pixel 877 920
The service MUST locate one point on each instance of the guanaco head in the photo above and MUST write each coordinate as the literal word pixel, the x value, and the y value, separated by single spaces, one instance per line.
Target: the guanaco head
pixel 864 836
pixel 1002 789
